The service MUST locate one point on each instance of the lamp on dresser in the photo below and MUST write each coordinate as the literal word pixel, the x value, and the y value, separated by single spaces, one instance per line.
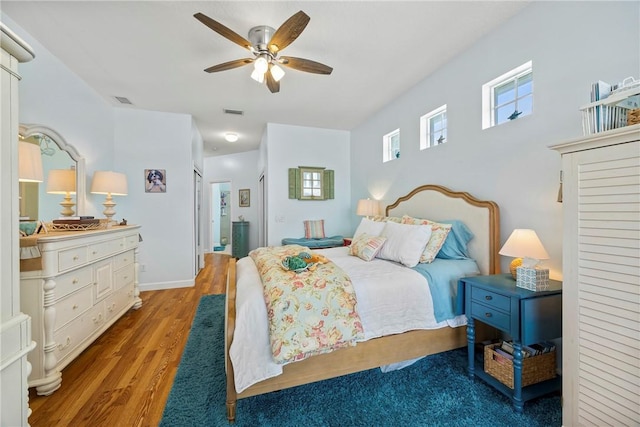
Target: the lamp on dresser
pixel 111 184
pixel 29 162
pixel 63 181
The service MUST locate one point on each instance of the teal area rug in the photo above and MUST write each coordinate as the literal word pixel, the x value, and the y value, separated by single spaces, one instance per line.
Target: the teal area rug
pixel 434 391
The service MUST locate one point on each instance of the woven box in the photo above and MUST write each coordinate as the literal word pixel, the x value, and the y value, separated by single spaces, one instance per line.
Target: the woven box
pixel 534 369
pixel 534 279
pixel 633 117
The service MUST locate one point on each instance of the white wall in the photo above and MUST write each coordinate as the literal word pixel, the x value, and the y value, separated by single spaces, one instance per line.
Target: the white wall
pixel 293 146
pixel 571 44
pixel 155 140
pixel 241 171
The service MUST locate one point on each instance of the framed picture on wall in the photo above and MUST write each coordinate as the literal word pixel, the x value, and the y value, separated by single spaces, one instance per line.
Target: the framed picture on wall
pixel 244 198
pixel 155 181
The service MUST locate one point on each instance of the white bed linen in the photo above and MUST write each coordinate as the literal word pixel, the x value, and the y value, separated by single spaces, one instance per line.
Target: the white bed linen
pixel 391 299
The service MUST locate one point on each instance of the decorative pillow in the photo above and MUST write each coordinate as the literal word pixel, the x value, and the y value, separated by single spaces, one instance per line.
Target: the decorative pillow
pixel 405 242
pixel 372 228
pixel 439 233
pixel 382 218
pixel 455 245
pixel 366 247
pixel 314 229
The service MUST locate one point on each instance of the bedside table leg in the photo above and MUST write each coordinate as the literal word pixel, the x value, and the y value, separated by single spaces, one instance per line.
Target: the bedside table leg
pixel 471 335
pixel 518 404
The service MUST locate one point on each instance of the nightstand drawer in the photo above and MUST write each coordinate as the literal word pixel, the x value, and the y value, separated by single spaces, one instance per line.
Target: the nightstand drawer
pixel 490 316
pixel 491 299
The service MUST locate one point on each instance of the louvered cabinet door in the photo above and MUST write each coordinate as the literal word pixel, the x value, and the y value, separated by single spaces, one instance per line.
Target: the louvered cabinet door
pixel 601 304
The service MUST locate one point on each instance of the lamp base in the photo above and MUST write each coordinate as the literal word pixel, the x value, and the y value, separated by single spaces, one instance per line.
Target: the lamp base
pixel 517 262
pixel 109 210
pixel 67 206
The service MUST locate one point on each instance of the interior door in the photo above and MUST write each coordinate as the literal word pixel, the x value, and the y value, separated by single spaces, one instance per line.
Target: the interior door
pixel 197 221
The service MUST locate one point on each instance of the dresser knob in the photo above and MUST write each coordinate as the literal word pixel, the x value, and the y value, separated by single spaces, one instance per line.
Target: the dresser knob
pixel 74 281
pixel 488 297
pixel 75 258
pixel 62 347
pixel 487 315
pixel 75 306
pixel 94 252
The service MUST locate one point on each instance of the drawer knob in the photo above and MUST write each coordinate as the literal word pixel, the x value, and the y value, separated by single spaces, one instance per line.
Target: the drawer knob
pixel 75 306
pixel 74 281
pixel 487 315
pixel 94 252
pixel 75 258
pixel 126 277
pixel 488 297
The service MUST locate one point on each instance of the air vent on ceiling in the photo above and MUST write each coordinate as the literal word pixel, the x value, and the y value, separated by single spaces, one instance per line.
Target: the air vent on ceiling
pixel 236 112
pixel 123 100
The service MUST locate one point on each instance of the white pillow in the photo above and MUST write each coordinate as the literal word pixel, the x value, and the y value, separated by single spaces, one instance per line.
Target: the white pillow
pixel 405 242
pixel 372 228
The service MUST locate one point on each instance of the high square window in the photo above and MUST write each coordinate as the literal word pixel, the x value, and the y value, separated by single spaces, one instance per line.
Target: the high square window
pixel 508 97
pixel 391 146
pixel 433 128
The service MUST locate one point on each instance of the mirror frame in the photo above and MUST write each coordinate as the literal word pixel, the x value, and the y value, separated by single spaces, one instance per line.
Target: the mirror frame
pixel 27 130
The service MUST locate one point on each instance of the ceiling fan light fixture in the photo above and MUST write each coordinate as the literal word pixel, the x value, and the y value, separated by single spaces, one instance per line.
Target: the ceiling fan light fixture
pixel 257 76
pixel 261 64
pixel 231 137
pixel 277 72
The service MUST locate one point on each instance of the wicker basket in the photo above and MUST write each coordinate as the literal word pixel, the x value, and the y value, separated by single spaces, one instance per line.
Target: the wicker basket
pixel 633 117
pixel 534 369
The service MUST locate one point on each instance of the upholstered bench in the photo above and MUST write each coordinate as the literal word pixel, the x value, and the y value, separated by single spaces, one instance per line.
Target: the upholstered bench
pixel 326 242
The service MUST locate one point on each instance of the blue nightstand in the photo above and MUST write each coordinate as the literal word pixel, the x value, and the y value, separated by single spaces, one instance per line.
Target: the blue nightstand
pixel 527 317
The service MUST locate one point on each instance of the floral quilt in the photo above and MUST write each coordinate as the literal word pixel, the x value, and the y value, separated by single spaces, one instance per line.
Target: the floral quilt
pixel 309 313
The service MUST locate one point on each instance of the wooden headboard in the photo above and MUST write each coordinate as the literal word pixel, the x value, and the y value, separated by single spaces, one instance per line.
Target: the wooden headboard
pixel 438 203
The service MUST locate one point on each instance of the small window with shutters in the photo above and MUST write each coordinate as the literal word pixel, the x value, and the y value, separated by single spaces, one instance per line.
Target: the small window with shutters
pixel 311 183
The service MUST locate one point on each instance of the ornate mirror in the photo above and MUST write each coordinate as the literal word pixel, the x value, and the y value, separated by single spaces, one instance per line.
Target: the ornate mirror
pixel 57 154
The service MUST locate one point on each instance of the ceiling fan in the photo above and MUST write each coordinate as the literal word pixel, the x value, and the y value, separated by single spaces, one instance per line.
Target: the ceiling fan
pixel 266 43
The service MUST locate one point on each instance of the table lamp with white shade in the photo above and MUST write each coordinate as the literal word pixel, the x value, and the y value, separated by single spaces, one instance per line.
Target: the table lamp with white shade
pixel 368 207
pixel 111 184
pixel 63 181
pixel 29 162
pixel 525 246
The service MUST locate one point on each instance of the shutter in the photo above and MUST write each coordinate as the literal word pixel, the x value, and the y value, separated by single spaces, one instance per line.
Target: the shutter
pixel 327 184
pixel 294 183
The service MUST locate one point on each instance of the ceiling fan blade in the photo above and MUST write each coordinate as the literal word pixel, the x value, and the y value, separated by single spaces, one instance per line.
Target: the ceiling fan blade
pixel 223 31
pixel 229 65
pixel 305 65
pixel 288 32
pixel 272 84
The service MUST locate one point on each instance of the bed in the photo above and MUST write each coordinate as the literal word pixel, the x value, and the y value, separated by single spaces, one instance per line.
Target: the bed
pixel 427 201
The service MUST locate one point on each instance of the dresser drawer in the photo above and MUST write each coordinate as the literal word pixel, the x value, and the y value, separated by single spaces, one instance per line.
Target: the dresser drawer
pixel 121 299
pixel 124 276
pixel 72 306
pixel 490 316
pixel 123 260
pixel 72 281
pixel 491 299
pixel 72 335
pixel 103 249
pixel 71 258
pixel 131 241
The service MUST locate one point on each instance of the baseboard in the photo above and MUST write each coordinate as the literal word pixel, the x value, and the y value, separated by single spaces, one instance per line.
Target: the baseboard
pixel 158 286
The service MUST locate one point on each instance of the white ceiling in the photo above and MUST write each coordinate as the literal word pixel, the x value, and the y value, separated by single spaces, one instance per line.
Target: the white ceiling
pixel 154 54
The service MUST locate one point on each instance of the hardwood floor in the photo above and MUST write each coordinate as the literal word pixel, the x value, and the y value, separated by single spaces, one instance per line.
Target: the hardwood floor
pixel 124 377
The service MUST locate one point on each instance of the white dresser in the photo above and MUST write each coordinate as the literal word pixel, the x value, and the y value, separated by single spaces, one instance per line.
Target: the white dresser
pixel 601 279
pixel 88 280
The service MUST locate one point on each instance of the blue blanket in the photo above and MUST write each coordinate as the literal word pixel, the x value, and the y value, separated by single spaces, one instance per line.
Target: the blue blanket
pixel 443 275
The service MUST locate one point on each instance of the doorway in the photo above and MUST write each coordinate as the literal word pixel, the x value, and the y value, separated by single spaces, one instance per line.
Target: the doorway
pixel 221 216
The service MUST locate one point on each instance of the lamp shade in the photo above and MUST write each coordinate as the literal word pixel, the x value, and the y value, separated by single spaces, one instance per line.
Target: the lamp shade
pixel 61 181
pixel 29 162
pixel 107 182
pixel 368 207
pixel 524 243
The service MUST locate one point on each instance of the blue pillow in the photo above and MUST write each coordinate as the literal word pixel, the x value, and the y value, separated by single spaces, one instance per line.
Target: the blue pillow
pixel 455 245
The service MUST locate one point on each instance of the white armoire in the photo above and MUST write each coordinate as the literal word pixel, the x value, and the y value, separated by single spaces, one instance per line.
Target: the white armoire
pixel 15 327
pixel 601 278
